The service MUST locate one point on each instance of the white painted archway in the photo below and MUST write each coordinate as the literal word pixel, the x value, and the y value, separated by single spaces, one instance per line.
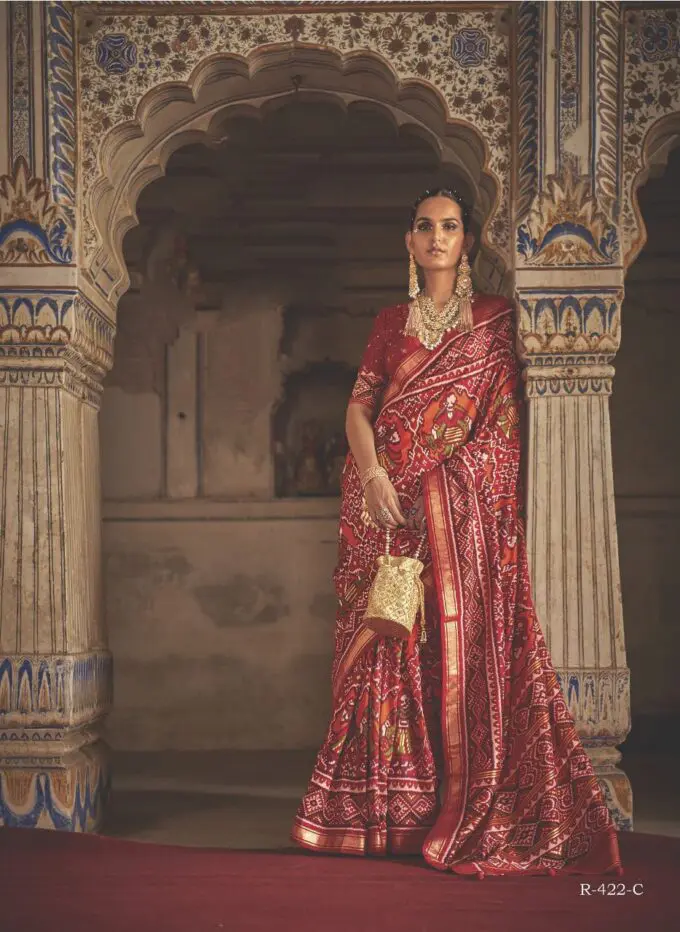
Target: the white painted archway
pixel 174 115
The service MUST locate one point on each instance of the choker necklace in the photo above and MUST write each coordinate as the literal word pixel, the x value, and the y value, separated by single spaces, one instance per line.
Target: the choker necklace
pixel 429 325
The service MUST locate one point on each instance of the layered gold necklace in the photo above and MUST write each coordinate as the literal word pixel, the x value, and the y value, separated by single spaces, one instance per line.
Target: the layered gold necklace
pixel 429 324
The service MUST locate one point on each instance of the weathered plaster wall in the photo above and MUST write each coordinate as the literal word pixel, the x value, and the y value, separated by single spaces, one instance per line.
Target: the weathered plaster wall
pixel 219 600
pixel 242 384
pixel 221 630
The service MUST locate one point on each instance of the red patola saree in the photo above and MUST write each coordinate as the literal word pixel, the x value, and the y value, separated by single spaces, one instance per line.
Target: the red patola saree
pixel 462 746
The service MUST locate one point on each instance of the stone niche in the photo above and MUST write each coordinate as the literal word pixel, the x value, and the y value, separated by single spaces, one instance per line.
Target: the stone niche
pixel 319 355
pixel 309 431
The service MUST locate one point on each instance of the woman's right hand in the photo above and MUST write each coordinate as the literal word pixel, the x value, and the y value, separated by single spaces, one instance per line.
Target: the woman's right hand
pixel 379 494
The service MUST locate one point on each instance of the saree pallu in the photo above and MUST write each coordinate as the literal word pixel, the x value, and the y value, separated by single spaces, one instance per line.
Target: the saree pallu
pixel 461 747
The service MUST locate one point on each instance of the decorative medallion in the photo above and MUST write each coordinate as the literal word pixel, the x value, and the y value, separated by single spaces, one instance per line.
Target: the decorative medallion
pixel 470 48
pixel 656 38
pixel 116 54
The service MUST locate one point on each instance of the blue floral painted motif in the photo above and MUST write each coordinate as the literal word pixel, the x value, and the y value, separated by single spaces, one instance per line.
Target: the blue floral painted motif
pixel 116 54
pixel 657 39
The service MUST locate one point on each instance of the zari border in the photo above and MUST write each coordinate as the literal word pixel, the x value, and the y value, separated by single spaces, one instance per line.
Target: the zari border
pixel 373 840
pixel 454 737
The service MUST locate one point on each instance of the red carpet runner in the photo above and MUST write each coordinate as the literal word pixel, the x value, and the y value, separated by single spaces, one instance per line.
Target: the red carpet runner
pixel 63 882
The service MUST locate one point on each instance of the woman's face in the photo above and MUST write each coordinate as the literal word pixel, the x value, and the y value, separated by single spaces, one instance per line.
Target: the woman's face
pixel 437 238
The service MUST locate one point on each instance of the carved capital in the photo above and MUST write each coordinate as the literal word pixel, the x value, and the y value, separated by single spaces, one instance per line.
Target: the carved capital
pixel 562 375
pixel 54 339
pixel 567 338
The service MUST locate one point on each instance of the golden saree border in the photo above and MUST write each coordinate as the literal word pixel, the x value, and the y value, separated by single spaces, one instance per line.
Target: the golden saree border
pixel 436 495
pixel 372 840
pixel 329 839
pixel 405 372
pixel 454 736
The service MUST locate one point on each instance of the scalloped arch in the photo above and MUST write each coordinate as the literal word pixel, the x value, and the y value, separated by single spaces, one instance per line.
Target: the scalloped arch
pixel 661 138
pixel 174 114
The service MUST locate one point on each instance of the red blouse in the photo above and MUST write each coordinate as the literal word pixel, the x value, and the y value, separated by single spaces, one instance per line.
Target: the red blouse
pixel 386 348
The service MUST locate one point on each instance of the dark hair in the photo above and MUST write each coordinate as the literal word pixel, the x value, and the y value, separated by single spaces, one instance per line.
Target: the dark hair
pixel 452 195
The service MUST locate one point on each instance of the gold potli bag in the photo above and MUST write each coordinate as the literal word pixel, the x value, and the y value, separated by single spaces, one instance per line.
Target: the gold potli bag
pixel 396 595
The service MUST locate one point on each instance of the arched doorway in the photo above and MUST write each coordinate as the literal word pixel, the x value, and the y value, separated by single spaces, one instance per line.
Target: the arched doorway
pixel 170 116
pixel 291 209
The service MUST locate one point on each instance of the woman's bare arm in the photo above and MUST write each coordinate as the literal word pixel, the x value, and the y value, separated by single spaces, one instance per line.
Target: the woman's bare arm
pixel 379 492
pixel 360 436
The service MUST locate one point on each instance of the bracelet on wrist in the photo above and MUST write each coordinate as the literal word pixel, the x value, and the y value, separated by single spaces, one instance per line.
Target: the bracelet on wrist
pixel 372 473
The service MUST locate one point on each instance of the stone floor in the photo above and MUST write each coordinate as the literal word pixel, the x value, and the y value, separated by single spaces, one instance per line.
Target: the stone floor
pixel 248 799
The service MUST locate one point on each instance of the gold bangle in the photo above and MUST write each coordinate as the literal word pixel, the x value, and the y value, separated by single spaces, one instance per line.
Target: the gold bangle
pixel 371 473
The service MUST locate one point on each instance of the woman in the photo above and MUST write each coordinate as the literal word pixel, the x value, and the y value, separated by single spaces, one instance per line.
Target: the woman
pixel 470 705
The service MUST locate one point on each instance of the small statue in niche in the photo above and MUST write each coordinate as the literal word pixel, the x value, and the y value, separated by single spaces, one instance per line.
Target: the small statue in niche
pixel 182 271
pixel 281 477
pixel 335 452
pixel 309 476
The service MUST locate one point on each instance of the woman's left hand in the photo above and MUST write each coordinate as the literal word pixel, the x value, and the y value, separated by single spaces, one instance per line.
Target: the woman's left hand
pixel 415 517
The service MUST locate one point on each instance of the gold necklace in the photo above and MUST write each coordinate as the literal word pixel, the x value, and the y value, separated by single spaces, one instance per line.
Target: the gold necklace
pixel 427 323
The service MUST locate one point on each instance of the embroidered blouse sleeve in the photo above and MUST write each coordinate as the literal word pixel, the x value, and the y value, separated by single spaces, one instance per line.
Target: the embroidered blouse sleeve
pixel 372 376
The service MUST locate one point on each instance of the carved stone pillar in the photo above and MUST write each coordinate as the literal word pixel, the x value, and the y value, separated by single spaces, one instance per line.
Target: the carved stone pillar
pixel 569 288
pixel 55 670
pixel 55 346
pixel 572 535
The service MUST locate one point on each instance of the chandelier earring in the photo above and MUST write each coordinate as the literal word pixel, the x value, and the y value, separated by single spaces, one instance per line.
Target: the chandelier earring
pixel 413 286
pixel 428 323
pixel 463 292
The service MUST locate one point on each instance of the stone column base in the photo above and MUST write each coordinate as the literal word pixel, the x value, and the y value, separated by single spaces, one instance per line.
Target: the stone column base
pixel 65 791
pixel 54 766
pixel 615 785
